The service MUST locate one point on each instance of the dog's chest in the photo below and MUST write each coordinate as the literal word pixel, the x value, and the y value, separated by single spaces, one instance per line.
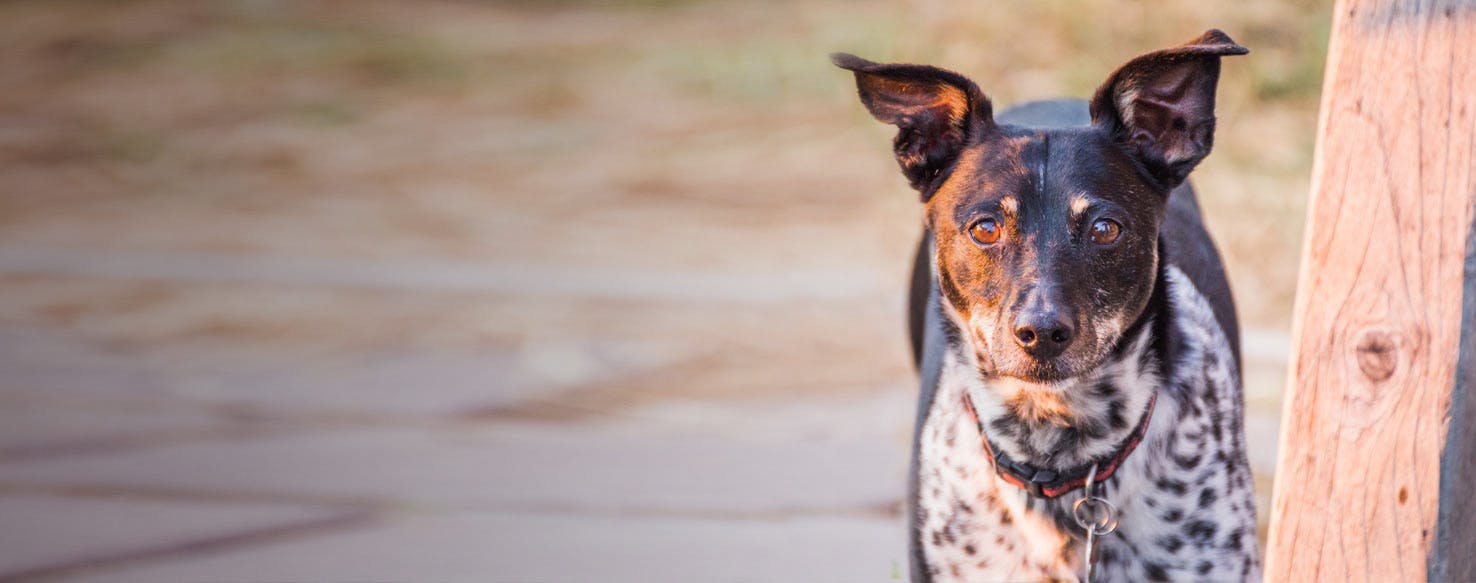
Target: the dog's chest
pixel 970 527
pixel 1184 497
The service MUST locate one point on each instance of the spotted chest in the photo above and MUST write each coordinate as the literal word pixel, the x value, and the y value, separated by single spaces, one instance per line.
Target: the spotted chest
pixel 1185 496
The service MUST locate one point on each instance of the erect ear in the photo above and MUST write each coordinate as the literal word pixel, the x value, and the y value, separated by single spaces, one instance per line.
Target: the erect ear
pixel 1161 105
pixel 934 111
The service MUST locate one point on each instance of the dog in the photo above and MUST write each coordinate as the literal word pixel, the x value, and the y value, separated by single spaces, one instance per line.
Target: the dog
pixel 1074 330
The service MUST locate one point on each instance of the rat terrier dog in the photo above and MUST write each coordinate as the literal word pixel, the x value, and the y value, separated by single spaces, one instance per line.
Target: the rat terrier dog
pixel 1081 408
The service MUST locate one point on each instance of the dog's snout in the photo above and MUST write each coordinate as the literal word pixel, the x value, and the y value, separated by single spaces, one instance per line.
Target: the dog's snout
pixel 1043 333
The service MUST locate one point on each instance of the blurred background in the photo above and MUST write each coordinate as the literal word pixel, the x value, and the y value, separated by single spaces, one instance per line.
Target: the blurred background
pixel 521 291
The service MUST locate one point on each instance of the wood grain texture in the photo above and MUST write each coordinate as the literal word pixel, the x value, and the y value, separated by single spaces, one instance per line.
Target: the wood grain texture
pixel 1375 342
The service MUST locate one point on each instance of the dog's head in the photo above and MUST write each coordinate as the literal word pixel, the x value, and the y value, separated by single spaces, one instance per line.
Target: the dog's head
pixel 1047 239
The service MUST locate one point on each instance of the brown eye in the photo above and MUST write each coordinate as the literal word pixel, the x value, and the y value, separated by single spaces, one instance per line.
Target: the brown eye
pixel 1105 231
pixel 985 232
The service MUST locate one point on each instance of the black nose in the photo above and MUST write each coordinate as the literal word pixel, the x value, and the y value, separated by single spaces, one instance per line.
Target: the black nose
pixel 1043 334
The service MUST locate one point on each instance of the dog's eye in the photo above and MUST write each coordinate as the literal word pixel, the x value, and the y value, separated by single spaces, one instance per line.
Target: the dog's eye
pixel 985 232
pixel 1105 231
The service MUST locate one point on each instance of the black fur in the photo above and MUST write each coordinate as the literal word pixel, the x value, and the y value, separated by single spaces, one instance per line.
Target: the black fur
pixel 1032 181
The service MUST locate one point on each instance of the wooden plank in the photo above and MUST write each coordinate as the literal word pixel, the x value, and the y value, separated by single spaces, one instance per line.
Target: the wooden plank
pixel 1379 305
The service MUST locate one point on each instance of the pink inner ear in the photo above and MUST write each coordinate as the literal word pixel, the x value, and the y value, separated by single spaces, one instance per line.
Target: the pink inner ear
pixel 1170 109
pixel 1162 104
pixel 1159 125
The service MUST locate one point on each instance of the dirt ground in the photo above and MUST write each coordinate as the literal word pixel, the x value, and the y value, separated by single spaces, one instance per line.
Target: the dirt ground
pixel 289 287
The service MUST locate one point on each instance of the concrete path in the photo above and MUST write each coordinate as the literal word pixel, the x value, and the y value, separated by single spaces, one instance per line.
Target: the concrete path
pixel 507 292
pixel 244 461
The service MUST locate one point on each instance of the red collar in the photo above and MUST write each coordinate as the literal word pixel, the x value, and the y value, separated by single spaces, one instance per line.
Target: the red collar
pixel 1051 483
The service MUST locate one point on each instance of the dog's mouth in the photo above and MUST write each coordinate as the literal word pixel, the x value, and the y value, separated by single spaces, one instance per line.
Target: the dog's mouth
pixel 998 354
pixel 1044 375
pixel 1044 372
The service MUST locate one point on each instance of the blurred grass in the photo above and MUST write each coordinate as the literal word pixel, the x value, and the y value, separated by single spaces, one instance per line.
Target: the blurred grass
pixel 1254 186
pixel 648 102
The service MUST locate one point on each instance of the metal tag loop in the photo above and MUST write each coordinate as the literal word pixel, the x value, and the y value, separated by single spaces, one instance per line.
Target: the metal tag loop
pixel 1095 515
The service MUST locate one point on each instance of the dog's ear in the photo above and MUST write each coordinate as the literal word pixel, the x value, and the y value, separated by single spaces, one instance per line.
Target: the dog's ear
pixel 934 111
pixel 1161 105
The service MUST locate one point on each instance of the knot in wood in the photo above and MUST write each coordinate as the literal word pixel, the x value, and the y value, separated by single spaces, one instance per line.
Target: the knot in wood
pixel 1378 355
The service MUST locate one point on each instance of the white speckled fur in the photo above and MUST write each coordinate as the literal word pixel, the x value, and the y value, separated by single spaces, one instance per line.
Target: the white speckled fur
pixel 1185 498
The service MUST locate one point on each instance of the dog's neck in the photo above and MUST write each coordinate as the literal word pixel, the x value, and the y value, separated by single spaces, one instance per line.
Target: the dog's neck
pixel 1076 421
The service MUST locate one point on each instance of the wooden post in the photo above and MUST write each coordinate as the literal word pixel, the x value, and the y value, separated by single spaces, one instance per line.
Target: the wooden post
pixel 1377 446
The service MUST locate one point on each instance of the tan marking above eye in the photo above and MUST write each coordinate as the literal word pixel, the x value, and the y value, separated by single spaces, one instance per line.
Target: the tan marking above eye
pixel 1079 204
